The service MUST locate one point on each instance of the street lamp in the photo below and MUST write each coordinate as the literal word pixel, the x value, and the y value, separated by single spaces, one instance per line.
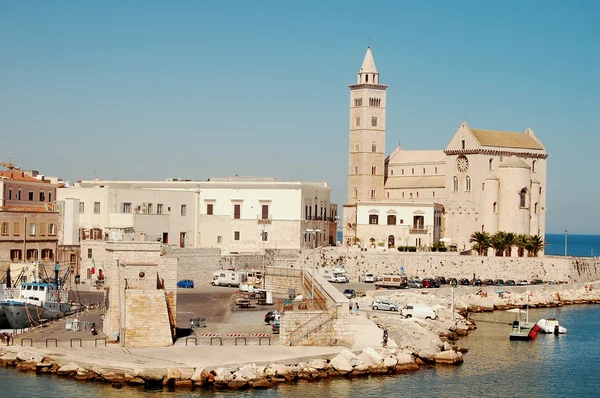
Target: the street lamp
pixel 566 241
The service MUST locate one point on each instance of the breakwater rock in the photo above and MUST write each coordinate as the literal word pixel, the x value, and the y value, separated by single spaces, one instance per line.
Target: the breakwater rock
pixel 369 361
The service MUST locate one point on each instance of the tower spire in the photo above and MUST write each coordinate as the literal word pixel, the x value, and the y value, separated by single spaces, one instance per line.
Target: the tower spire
pixel 368 71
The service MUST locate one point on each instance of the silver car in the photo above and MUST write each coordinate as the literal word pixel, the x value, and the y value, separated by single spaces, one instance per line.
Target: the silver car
pixel 415 284
pixel 385 305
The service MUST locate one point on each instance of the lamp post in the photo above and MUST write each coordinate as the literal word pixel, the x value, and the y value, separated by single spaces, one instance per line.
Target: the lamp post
pixel 566 241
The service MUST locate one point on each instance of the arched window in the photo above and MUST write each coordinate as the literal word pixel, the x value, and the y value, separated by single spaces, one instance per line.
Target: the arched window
pixel 483 186
pixel 357 121
pixel 402 171
pixel 356 147
pixel 355 169
pixel 373 147
pixel 540 191
pixel 402 195
pixel 455 186
pixel 412 171
pixel 388 195
pixel 417 195
pixel 435 170
pixel 467 184
pixel 411 195
pixel 392 172
pixel 533 167
pixel 491 164
pixel 495 209
pixel 373 170
pixel 434 194
pixel 374 121
pixel 423 170
pixel 373 196
pixel 366 78
pixel 523 197
pixel 535 208
pixel 355 193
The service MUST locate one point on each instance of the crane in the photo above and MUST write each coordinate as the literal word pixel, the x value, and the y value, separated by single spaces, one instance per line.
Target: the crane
pixel 9 165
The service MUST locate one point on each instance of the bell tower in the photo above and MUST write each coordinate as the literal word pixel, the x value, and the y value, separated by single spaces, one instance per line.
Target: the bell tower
pixel 367 134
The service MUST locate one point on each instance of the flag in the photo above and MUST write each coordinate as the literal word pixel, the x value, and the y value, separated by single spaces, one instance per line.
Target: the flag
pixel 93 270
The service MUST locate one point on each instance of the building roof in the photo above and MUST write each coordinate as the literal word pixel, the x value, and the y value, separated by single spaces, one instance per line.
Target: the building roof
pixel 20 176
pixel 368 65
pixel 506 139
pixel 400 156
pixel 514 162
pixel 400 182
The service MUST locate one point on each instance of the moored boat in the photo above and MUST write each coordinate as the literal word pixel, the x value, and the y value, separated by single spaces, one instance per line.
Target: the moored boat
pixel 523 330
pixel 33 302
pixel 551 325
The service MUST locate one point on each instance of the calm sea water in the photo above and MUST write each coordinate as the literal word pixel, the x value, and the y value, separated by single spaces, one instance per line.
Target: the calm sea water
pixel 563 366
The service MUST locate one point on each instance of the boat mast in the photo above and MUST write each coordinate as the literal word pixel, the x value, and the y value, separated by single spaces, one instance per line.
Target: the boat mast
pixel 527 312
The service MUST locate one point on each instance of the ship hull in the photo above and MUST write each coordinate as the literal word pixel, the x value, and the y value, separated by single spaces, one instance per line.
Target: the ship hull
pixel 21 315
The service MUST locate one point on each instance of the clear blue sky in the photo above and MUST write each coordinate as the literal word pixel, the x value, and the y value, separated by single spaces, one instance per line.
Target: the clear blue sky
pixel 196 89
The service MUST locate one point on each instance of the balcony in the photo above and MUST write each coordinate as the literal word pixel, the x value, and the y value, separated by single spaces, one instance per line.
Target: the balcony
pixel 265 220
pixel 418 229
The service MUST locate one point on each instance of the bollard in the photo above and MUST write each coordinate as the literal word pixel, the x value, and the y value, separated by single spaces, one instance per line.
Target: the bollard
pixel 100 339
pixel 52 339
pixel 75 339
pixel 29 339
pixel 194 338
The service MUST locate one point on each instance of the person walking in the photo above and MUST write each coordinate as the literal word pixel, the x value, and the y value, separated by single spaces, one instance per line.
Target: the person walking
pixel 350 307
pixel 385 338
pixel 356 308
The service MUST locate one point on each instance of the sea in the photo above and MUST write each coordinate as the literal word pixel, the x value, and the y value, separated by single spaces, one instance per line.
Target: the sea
pixel 550 366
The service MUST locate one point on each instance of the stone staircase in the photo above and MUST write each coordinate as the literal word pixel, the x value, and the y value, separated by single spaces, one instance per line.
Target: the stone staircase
pixel 316 330
pixel 147 319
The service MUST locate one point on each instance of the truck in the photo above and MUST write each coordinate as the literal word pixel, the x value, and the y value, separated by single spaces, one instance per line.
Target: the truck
pixel 390 281
pixel 227 278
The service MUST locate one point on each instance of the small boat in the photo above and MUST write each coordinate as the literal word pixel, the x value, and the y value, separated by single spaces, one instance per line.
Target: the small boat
pixel 523 330
pixel 551 325
pixel 35 302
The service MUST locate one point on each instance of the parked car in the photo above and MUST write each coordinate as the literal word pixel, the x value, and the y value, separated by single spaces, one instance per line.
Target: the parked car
pixel 452 281
pixel 522 282
pixel 536 282
pixel 499 282
pixel 477 282
pixel 429 283
pixel 186 284
pixel 464 282
pixel 441 280
pixel 510 282
pixel 270 316
pixel 368 278
pixel 350 293
pixel 488 282
pixel 419 311
pixel 275 327
pixel 381 304
pixel 415 284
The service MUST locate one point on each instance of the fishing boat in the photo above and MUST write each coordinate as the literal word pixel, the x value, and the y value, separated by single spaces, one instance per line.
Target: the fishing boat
pixel 551 325
pixel 3 319
pixel 523 330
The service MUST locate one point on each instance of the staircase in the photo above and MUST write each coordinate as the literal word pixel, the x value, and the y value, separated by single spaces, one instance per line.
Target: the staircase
pixel 314 329
pixel 147 319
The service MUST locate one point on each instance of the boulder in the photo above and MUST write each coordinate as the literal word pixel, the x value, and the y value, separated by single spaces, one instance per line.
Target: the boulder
pixel 318 364
pixel 447 346
pixel 186 373
pixel 152 374
pixel 197 375
pixel 364 358
pixel 136 381
pixel 373 355
pixel 361 369
pixel 405 358
pixel 379 368
pixel 8 359
pixel 223 375
pixel 427 354
pixel 68 369
pixel 29 357
pixel 350 357
pixel 238 384
pixel 173 373
pixel 187 384
pixel 277 369
pixel 390 361
pixel 246 372
pixel 27 366
pixel 262 383
pixel 448 357
pixel 342 362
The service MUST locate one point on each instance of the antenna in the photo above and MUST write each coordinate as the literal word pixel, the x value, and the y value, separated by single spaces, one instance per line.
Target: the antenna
pixel 369 41
pixel 95 168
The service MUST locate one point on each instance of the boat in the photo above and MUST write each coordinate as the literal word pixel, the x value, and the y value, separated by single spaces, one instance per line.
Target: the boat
pixel 523 330
pixel 551 325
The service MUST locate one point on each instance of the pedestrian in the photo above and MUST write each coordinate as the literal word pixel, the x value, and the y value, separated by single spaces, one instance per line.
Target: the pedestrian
pixel 385 337
pixel 356 308
pixel 350 307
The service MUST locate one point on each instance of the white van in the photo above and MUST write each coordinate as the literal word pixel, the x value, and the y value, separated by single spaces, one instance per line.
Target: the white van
pixel 419 311
pixel 226 278
pixel 338 277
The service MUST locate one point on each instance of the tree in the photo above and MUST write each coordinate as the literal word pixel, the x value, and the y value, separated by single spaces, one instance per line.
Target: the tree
pixel 498 243
pixel 521 243
pixel 481 241
pixel 536 244
pixel 510 240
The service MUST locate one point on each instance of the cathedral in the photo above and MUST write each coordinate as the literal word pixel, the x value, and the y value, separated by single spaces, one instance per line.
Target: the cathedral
pixel 484 180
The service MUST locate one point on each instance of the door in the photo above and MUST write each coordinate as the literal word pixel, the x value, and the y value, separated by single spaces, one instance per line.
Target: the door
pixel 165 238
pixel 182 239
pixel 391 241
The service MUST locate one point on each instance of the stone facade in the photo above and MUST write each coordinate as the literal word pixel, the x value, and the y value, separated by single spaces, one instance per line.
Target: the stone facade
pixel 140 267
pixel 196 264
pixel 146 319
pixel 431 264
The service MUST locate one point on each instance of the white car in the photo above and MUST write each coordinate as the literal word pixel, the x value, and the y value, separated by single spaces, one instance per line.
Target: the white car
pixel 368 278
pixel 381 304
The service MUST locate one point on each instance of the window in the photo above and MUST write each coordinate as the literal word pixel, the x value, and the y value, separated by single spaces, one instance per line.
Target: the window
pixel 388 195
pixel 4 230
pixel 51 229
pixel 455 185
pixel 374 121
pixel 15 254
pixel 495 208
pixel 373 170
pixel 265 212
pixel 423 170
pixel 411 196
pixel 392 172
pixel 412 171
pixel 150 208
pixel 9 193
pixel 81 207
pixel 357 121
pixel 96 207
pixel 47 254
pixel 16 229
pixel 483 186
pixel 42 229
pixel 42 196
pixel 402 195
pixel 523 198
pixel 32 229
pixel 391 220
pixel 373 147
pixel 462 144
pixel 357 101
pixel 126 208
pixel 373 219
pixel 90 254
pixel 467 183
pixel 417 195
pixel 159 208
pixel 533 166
pixel 356 147
pixel 401 221
pixel 491 164
pixel 433 194
pixel 237 211
pixel 373 193
pixel 210 209
pixel 19 194
pixel 219 239
pixel 31 195
pixel 184 210
pixel 32 254
pixel 355 193
pixel 236 235
pixel 264 236
pixel 49 196
pixel 535 208
pixel 435 170
pixel 355 170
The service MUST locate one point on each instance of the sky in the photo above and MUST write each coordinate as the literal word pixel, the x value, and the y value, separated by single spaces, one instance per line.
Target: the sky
pixel 197 89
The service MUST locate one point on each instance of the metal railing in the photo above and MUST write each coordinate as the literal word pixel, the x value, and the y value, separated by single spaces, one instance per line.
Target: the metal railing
pixel 311 326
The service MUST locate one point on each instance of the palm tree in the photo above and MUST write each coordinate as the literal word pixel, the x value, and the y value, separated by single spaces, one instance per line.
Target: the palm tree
pixel 536 244
pixel 498 243
pixel 510 240
pixel 481 240
pixel 521 243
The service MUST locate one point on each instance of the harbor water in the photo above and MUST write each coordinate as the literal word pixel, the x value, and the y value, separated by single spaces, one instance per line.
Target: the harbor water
pixel 556 366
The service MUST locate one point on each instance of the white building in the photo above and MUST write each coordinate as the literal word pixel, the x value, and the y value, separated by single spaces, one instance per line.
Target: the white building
pixel 237 215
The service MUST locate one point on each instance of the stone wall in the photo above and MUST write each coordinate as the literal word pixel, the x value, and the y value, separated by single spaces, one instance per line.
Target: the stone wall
pixel 325 328
pixel 146 319
pixel 279 280
pixel 431 264
pixel 196 264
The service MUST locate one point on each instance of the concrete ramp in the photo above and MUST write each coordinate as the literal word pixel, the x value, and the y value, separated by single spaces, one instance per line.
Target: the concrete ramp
pixel 147 322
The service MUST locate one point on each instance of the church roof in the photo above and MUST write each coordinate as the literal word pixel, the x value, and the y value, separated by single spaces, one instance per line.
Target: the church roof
pixel 368 65
pixel 399 182
pixel 514 162
pixel 400 156
pixel 506 139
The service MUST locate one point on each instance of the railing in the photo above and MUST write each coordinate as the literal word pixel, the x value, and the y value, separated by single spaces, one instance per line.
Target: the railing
pixel 265 220
pixel 311 326
pixel 418 229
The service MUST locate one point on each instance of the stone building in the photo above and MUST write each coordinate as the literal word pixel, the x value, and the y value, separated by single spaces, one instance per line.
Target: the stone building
pixel 483 181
